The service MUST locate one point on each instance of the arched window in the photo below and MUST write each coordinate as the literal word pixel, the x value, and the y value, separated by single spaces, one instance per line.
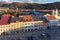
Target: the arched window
pixel 4 33
pixel 28 29
pixel 17 31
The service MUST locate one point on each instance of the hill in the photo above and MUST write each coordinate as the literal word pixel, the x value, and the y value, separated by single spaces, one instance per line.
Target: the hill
pixel 32 6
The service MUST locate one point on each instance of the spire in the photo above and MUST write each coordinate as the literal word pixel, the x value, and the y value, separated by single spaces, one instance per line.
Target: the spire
pixel 56 15
pixel 56 11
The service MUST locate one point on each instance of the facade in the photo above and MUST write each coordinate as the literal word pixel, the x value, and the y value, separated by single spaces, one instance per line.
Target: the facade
pixel 4 23
pixel 52 20
pixel 4 28
pixel 56 14
pixel 28 26
pixel 3 9
pixel 21 24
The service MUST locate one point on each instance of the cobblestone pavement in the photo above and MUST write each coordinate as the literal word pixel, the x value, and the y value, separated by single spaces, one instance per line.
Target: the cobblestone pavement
pixel 54 34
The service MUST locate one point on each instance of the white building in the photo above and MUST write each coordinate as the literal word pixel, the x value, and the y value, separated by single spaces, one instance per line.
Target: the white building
pixel 28 26
pixel 29 23
pixel 53 21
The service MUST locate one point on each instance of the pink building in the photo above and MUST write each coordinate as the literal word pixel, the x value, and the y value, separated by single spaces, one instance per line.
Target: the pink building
pixel 5 19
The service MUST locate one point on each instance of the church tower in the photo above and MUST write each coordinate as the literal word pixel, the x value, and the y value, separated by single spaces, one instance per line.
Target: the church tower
pixel 56 13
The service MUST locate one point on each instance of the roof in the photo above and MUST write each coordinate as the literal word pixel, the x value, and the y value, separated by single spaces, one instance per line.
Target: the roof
pixel 5 19
pixel 14 19
pixel 26 18
pixel 37 18
pixel 51 17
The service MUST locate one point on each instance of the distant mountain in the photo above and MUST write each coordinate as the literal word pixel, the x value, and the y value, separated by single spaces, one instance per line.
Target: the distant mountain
pixel 51 5
pixel 1 3
pixel 16 4
pixel 31 6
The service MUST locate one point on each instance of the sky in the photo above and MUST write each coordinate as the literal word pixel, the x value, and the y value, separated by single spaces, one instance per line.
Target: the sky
pixel 32 1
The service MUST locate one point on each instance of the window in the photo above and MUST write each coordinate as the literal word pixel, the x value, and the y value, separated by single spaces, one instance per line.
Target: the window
pixel 25 30
pixel 25 23
pixel 31 23
pixel 4 33
pixel 28 29
pixel 17 31
pixel 28 26
pixel 28 23
pixel 31 26
pixel 1 26
pixel 25 27
pixel 1 30
pixel 31 29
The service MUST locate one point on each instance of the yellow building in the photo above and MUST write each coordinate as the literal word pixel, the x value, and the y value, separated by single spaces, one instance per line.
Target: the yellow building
pixel 14 25
pixel 23 24
pixel 4 28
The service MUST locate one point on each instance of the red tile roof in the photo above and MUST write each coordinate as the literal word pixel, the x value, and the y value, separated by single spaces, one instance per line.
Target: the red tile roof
pixel 5 19
pixel 27 18
pixel 51 18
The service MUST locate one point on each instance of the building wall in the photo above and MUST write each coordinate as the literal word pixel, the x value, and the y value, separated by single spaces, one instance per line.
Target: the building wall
pixel 40 25
pixel 53 23
pixel 4 28
pixel 28 26
pixel 14 25
pixel 23 26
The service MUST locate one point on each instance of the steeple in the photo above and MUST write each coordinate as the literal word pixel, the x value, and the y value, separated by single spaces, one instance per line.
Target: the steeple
pixel 56 15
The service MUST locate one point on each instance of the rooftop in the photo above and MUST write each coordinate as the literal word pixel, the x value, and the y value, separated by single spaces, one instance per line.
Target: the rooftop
pixel 26 18
pixel 5 19
pixel 51 18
